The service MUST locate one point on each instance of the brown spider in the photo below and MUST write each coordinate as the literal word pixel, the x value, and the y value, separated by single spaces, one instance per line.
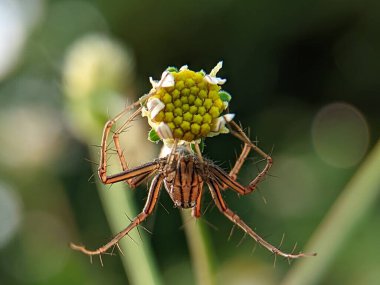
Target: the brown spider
pixel 183 174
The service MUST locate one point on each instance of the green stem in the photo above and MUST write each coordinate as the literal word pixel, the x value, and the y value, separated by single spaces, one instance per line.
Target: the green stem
pixel 199 249
pixel 137 259
pixel 355 202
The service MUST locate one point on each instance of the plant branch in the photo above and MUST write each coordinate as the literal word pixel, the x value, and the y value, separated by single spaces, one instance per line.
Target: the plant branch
pixel 351 207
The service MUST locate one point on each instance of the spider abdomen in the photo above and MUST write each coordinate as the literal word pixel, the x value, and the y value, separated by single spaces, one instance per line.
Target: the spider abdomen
pixel 184 184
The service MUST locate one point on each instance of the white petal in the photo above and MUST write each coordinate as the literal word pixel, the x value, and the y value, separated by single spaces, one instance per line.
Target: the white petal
pixel 164 131
pixel 167 79
pixel 155 111
pixel 224 130
pixel 184 67
pixel 153 82
pixel 165 150
pixel 217 67
pixel 214 80
pixel 229 117
pixel 144 112
pixel 169 144
pixel 220 123
pixel 155 105
pixel 152 102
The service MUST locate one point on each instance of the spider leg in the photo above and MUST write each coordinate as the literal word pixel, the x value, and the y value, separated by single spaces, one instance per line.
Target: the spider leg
pixel 225 181
pixel 239 162
pixel 196 211
pixel 133 176
pixel 127 174
pixel 137 180
pixel 151 202
pixel 217 197
pixel 248 146
pixel 106 130
pixel 116 140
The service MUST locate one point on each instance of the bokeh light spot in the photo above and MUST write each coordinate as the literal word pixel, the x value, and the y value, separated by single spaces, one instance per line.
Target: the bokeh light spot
pixel 10 213
pixel 340 135
pixel 31 136
pixel 12 32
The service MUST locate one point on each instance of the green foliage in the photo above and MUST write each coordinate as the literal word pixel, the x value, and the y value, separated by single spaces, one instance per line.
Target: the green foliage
pixel 225 96
pixel 153 136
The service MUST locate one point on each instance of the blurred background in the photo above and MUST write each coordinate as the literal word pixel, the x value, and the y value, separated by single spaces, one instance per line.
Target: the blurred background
pixel 304 77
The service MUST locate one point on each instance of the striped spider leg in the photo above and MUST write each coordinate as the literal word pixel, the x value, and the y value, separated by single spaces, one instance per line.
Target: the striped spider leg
pixel 133 177
pixel 220 180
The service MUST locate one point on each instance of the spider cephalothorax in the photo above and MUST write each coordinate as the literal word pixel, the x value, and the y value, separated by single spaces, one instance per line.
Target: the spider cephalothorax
pixel 183 172
pixel 184 177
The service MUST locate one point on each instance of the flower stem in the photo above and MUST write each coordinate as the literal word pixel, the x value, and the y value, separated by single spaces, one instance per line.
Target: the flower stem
pixel 199 249
pixel 137 257
pixel 351 207
pixel 96 72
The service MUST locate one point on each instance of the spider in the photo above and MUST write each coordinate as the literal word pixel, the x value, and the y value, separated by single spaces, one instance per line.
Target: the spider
pixel 183 173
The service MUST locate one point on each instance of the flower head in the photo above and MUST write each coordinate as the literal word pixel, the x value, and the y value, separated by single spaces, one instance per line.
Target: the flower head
pixel 187 105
